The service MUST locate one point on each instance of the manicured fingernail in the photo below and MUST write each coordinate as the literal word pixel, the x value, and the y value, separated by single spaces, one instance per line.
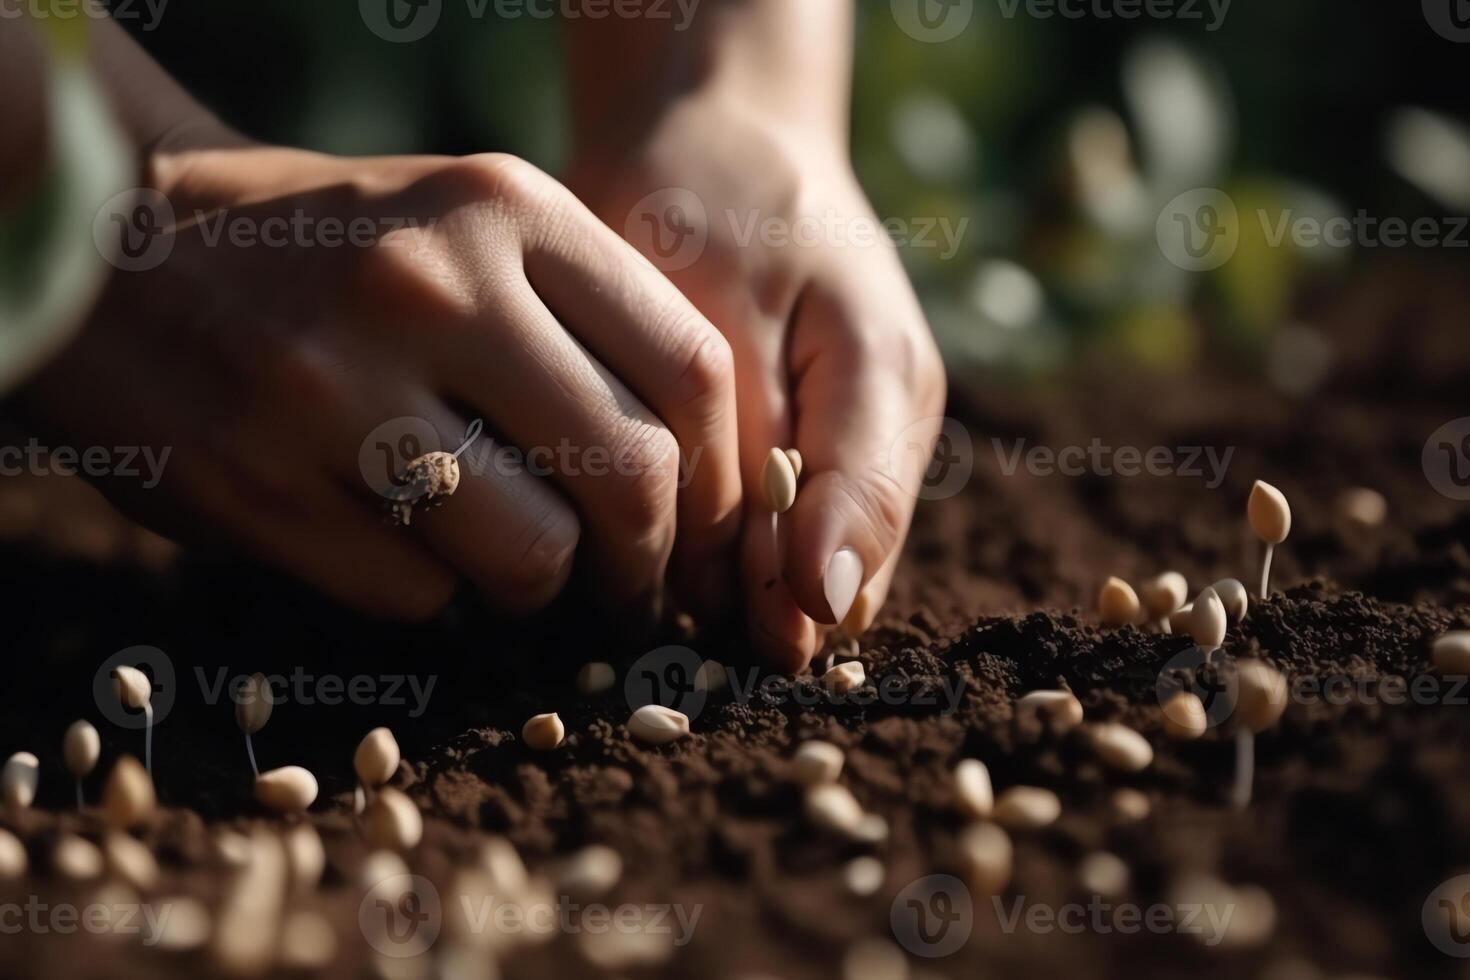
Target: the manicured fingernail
pixel 843 578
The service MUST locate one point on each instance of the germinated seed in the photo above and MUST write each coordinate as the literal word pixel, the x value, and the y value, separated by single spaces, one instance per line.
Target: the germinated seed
pixel 254 703
pixel 972 788
pixel 19 779
pixel 845 677
pixel 1117 603
pixel 1234 597
pixel 1121 747
pixel 1269 513
pixel 794 456
pixel 1207 620
pixel 289 789
pixel 778 482
pixel 653 724
pixel 1261 695
pixel 1181 621
pixel 1184 716
pixel 393 821
pixel 543 732
pixel 1026 808
pixel 816 762
pixel 128 799
pixel 595 677
pixel 376 758
pixel 1163 594
pixel 80 748
pixel 1059 710
pixel 133 687
pixel 986 857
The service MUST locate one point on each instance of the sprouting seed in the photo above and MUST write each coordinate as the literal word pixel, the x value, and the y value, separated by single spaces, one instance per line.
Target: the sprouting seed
pixel 1117 603
pixel 1270 518
pixel 1184 716
pixel 289 789
pixel 253 704
pixel 1162 595
pixel 376 758
pixel 1260 701
pixel 18 782
pixel 1235 598
pixel 778 493
pixel 430 479
pixel 80 749
pixel 1207 621
pixel 794 455
pixel 135 691
pixel 128 798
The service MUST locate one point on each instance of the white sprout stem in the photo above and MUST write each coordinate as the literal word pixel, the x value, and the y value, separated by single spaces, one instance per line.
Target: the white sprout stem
pixel 470 435
pixel 1266 571
pixel 1164 626
pixel 1245 768
pixel 250 751
pixel 148 739
pixel 79 795
pixel 776 540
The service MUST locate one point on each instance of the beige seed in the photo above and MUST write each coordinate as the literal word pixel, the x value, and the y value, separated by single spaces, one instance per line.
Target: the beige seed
pixel 1269 513
pixel 133 688
pixel 308 941
pixel 591 872
pixel 130 860
pixel 305 857
pixel 381 866
pixel 816 762
pixel 77 859
pixel 1121 747
pixel 845 678
pixel 595 677
pixel 232 848
pixel 1451 653
pixel 1181 621
pixel 972 788
pixel 1234 597
pixel 1163 594
pixel 1207 621
pixel 254 703
pixel 376 758
pixel 185 928
pixel 246 936
pixel 794 456
pixel 12 856
pixel 1060 711
pixel 986 857
pixel 1026 808
pixel 872 829
pixel 653 724
pixel 128 799
pixel 711 677
pixel 543 732
pixel 778 482
pixel 19 779
pixel 1361 509
pixel 393 821
pixel 499 858
pixel 1117 603
pixel 863 876
pixel 830 806
pixel 1128 805
pixel 1260 695
pixel 289 789
pixel 1103 873
pixel 1184 716
pixel 80 748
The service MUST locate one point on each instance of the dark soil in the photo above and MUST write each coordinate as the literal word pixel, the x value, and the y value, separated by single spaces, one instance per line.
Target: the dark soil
pixel 1360 807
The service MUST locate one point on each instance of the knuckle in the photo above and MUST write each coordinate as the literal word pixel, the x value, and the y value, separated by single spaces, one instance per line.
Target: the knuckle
pixel 708 377
pixel 881 503
pixel 649 459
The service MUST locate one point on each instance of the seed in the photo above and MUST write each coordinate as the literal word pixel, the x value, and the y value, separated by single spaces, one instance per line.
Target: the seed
pixel 289 789
pixel 1233 597
pixel 1361 509
pixel 1117 603
pixel 1184 716
pixel 972 788
pixel 80 748
pixel 248 923
pixel 1261 695
pixel 1027 808
pixel 12 856
pixel 499 858
pixel 543 732
pixel 232 848
pixel 816 762
pixel 1180 619
pixel 863 876
pixel 1207 620
pixel 595 677
pixel 1103 873
pixel 794 455
pixel 127 797
pixel 833 807
pixel 987 857
pixel 133 688
pixel 591 872
pixel 872 829
pixel 308 941
pixel 253 704
pixel 429 479
pixel 653 724
pixel 376 758
pixel 845 677
pixel 129 859
pixel 1451 653
pixel 393 821
pixel 778 482
pixel 19 780
pixel 1163 594
pixel 77 859
pixel 186 927
pixel 1269 513
pixel 710 677
pixel 380 866
pixel 1121 747
pixel 1128 805
pixel 1059 710
pixel 305 856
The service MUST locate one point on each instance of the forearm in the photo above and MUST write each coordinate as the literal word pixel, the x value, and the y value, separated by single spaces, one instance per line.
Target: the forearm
pixel 788 60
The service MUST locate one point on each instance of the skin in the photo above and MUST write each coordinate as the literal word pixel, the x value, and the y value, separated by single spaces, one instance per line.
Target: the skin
pixel 507 299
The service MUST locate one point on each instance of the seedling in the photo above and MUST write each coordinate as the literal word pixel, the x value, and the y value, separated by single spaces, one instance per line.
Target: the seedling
pixel 1270 518
pixel 1207 621
pixel 135 691
pixel 80 749
pixel 1259 702
pixel 430 479
pixel 253 705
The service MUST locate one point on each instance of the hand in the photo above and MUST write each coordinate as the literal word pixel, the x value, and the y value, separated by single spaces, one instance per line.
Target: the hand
pixel 832 352
pixel 478 287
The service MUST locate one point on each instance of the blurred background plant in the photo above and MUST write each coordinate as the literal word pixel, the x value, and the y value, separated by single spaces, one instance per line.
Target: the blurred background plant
pixel 1058 141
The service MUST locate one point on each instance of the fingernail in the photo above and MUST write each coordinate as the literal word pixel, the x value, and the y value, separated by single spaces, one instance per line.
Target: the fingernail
pixel 840 583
